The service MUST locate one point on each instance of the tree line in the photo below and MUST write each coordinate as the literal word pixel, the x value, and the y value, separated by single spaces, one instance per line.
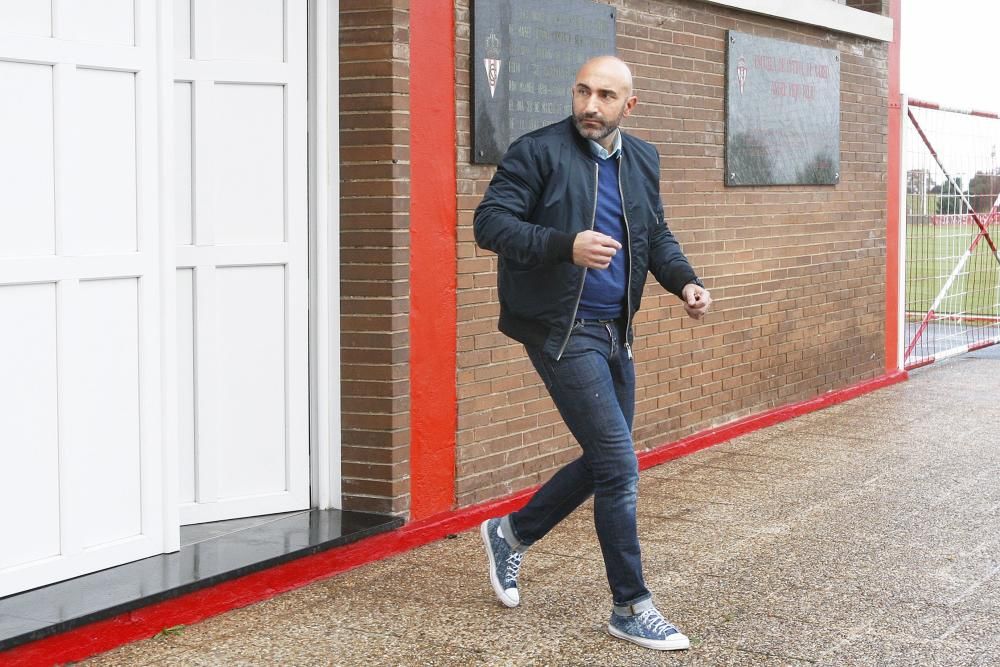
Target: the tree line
pixel 981 192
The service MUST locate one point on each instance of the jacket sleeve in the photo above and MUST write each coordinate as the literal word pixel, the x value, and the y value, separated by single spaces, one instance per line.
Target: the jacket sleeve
pixel 502 220
pixel 666 260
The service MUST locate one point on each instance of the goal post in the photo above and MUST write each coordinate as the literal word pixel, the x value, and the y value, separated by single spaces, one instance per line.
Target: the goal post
pixel 952 208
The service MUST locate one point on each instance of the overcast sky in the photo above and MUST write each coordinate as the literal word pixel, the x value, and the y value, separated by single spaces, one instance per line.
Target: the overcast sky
pixel 949 52
pixel 949 56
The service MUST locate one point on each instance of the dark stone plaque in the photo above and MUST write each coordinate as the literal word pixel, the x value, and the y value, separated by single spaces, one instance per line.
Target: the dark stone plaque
pixel 782 113
pixel 525 55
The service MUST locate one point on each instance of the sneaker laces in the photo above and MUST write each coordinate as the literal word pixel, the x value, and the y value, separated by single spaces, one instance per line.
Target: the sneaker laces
pixel 513 567
pixel 653 619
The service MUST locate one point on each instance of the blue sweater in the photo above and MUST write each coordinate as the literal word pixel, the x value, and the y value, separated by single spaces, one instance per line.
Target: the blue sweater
pixel 604 289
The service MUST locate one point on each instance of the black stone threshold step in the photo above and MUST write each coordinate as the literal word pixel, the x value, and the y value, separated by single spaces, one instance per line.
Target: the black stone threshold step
pixel 210 554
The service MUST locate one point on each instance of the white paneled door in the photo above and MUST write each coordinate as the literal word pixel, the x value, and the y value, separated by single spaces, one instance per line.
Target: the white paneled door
pixel 81 484
pixel 241 230
pixel 109 118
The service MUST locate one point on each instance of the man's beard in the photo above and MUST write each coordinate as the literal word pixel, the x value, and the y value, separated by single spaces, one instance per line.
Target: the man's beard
pixel 596 133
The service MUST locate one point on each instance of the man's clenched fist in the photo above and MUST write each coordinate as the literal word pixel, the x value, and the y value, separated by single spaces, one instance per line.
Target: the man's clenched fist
pixel 697 300
pixel 594 250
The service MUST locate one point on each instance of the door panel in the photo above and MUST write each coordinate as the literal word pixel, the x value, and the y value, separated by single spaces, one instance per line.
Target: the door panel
pixel 107 348
pixel 252 424
pixel 250 30
pixel 103 200
pixel 248 169
pixel 184 324
pixel 29 414
pixel 99 21
pixel 240 117
pixel 183 174
pixel 80 447
pixel 27 201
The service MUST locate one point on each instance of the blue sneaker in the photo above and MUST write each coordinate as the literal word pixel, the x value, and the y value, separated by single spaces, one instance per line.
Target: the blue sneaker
pixel 505 563
pixel 649 629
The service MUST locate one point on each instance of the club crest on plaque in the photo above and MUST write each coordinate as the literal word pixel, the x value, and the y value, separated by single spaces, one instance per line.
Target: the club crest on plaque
pixel 741 73
pixel 492 62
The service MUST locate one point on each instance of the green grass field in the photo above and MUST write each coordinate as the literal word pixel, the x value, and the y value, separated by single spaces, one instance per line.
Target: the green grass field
pixel 932 252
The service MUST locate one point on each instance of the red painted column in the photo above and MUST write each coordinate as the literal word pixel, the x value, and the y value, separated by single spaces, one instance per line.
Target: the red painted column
pixel 894 226
pixel 433 263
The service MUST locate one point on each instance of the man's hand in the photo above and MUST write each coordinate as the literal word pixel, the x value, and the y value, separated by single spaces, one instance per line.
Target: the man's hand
pixel 696 300
pixel 594 250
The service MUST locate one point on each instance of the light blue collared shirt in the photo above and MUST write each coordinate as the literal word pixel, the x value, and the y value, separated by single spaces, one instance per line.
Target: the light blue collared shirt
pixel 601 152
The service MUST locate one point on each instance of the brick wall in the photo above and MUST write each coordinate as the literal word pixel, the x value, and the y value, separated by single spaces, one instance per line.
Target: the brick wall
pixel 797 273
pixel 374 222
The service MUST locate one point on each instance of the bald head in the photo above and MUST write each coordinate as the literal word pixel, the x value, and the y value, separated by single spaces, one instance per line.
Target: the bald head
pixel 610 70
pixel 602 97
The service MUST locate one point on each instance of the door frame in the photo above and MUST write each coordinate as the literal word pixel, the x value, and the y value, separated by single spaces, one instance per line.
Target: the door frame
pixel 323 164
pixel 323 101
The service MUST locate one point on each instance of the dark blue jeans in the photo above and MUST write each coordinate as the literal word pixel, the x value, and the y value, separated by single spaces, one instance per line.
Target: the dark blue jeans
pixel 593 386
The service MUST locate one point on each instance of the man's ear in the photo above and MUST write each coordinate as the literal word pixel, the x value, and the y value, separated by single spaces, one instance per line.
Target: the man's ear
pixel 630 104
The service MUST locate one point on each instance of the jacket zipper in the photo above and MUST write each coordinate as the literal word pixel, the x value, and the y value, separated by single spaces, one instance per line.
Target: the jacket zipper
pixel 583 279
pixel 628 243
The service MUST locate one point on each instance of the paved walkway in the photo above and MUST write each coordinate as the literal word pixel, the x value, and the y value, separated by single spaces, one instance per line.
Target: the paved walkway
pixel 864 534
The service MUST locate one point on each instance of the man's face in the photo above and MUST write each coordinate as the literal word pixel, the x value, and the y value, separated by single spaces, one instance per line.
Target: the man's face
pixel 601 99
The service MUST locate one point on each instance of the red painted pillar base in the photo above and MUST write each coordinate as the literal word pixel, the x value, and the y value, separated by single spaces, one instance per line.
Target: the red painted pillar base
pixel 433 261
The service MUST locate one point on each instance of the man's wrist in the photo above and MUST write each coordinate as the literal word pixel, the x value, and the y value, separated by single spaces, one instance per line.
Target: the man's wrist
pixel 696 281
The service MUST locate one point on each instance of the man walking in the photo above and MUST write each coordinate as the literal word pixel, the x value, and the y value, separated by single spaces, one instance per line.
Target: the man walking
pixel 575 215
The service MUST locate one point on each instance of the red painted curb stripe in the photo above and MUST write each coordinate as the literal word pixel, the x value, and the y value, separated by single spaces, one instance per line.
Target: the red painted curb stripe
pixel 145 622
pixel 193 607
pixel 433 258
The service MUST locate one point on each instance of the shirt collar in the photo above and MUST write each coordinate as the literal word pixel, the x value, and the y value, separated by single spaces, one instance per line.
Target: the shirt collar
pixel 601 152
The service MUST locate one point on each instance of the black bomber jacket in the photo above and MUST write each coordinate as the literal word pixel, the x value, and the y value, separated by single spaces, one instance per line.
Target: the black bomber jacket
pixel 543 194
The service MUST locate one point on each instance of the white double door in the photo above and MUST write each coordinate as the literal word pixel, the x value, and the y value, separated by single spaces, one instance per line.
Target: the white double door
pixel 153 275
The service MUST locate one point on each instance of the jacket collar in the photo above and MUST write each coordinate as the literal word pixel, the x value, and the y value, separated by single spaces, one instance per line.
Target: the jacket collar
pixel 585 144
